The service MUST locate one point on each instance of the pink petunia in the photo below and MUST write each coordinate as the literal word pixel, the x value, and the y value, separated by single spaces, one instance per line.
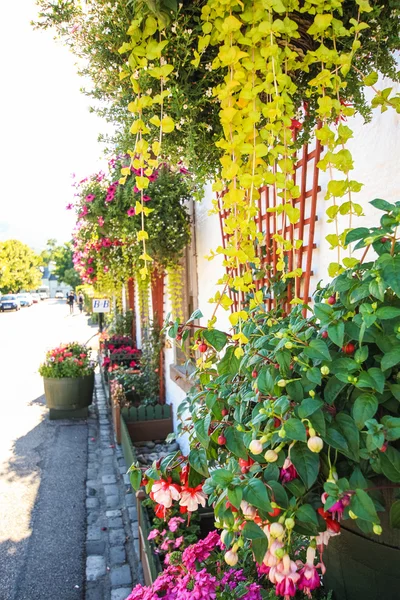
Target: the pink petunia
pixel 90 197
pixel 69 206
pixel 146 198
pixel 131 212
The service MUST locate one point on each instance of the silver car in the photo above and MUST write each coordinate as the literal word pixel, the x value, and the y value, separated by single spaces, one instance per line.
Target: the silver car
pixel 9 302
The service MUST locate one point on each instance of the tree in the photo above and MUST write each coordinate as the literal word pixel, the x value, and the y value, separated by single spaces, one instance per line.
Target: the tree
pixel 47 254
pixel 65 271
pixel 19 267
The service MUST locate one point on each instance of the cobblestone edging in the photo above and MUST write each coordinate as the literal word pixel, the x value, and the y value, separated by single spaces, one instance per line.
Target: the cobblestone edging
pixel 112 567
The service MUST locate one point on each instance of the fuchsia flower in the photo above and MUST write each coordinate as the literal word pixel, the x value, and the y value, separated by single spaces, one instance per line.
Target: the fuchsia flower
pixel 131 212
pixel 164 492
pixel 90 197
pixel 285 577
pixel 136 189
pixel 153 534
pixel 192 497
pixel 288 471
pixel 337 509
pixel 309 576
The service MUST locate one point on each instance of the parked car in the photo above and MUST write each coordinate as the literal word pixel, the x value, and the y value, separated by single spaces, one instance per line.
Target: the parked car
pixel 43 296
pixel 59 294
pixel 35 298
pixel 9 302
pixel 25 299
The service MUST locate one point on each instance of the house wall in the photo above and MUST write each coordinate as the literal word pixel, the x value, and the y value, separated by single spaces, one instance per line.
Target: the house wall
pixel 376 151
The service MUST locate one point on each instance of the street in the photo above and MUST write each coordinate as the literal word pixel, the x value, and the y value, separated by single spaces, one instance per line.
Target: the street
pixel 42 463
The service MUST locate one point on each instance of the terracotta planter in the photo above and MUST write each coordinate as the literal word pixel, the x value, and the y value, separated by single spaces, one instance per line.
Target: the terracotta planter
pixel 68 397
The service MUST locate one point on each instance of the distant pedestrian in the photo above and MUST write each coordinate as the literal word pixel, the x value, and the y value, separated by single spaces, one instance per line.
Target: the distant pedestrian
pixel 80 302
pixel 70 301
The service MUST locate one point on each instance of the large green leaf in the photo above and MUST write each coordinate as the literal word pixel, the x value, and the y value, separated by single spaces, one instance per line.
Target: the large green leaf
pixel 265 382
pixel 317 349
pixel 392 426
pixel 377 289
pixel 295 430
pixel 356 234
pixel 333 389
pixel 388 312
pixel 222 477
pixel 350 433
pixel 229 364
pixel 305 462
pixel 395 515
pixel 364 408
pixel 235 496
pixel 259 541
pixel 390 464
pixel 390 359
pixel 336 333
pixel 255 493
pixel 198 460
pixel 334 438
pixel 216 339
pixel 234 442
pixel 135 477
pixel 201 428
pixel 362 506
pixel 391 272
pixel 308 407
pixel 279 494
pixel 306 513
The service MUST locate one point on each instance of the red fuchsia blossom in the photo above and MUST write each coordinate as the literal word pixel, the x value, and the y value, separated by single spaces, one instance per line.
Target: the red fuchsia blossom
pixel 288 471
pixel 192 497
pixel 131 212
pixel 164 492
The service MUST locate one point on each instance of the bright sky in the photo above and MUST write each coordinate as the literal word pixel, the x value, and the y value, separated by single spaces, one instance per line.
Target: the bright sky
pixel 47 132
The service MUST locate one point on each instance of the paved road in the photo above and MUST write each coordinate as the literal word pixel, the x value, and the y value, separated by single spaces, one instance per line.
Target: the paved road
pixel 42 463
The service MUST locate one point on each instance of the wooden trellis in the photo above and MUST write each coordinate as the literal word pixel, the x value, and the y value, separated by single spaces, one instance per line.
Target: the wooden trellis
pixel 270 223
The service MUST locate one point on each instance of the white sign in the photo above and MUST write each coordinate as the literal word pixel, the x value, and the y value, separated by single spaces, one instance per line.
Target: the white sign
pixel 100 306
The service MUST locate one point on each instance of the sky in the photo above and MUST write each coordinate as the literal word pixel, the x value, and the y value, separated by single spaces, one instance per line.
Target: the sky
pixel 46 131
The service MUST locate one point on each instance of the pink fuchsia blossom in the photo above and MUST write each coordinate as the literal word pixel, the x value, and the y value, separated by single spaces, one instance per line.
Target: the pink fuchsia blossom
pixel 192 497
pixel 90 197
pixel 90 260
pixel 285 577
pixel 131 212
pixel 136 189
pixel 337 509
pixel 69 206
pixel 174 523
pixel 309 576
pixel 106 243
pixel 288 471
pixel 153 177
pixel 270 558
pixel 164 492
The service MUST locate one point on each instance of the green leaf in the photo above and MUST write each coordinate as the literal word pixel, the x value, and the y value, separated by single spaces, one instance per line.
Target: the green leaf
pixel 392 426
pixel 251 531
pixel 378 202
pixel 235 496
pixel 222 477
pixel 317 349
pixel 390 464
pixel 295 391
pixel 317 420
pixel 391 272
pixel 350 433
pixel 336 333
pixel 371 79
pixel 356 234
pixel 377 289
pixel 234 442
pixel 323 312
pixel 390 359
pixel 197 314
pixel 388 312
pixel 359 292
pixel 308 407
pixel 307 514
pixel 295 430
pixel 201 428
pixel 333 389
pixel 314 375
pixel 306 463
pixel 279 494
pixel 296 488
pixel 361 355
pixel 255 493
pixel 229 364
pixel 135 479
pixel 364 408
pixel 362 506
pixel 334 438
pixel 395 515
pixel 216 339
pixel 198 460
pixel 265 382
pixel 259 547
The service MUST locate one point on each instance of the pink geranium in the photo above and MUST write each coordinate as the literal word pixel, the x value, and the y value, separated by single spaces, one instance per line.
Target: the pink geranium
pixel 174 523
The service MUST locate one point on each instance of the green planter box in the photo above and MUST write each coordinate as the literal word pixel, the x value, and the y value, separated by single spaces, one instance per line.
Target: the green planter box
pixel 147 423
pixel 68 397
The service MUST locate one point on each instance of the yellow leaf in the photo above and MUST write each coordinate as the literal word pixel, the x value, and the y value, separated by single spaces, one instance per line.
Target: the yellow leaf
pixel 156 148
pixel 226 302
pixel 142 235
pixel 138 208
pixel 155 121
pixel 141 182
pixel 167 125
pixel 239 352
pixel 146 257
pixel 122 180
pixel 125 170
pixel 144 272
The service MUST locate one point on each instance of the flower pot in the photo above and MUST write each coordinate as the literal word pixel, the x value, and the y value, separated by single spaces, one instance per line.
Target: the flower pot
pixel 360 568
pixel 68 397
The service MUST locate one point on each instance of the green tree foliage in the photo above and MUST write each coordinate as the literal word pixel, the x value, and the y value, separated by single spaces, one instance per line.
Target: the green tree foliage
pixel 64 271
pixel 47 254
pixel 19 267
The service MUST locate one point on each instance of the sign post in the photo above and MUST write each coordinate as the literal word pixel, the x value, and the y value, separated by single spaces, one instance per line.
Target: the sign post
pixel 101 306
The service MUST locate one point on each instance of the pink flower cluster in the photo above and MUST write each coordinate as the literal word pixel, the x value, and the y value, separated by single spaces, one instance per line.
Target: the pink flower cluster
pixel 111 191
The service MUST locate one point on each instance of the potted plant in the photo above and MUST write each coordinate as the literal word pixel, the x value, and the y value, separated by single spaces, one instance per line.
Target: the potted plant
pixel 297 436
pixel 68 377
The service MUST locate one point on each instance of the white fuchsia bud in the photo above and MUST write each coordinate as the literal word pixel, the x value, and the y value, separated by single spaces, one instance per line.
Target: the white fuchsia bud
pixel 248 510
pixel 325 370
pixel 271 456
pixel 281 383
pixel 315 444
pixel 231 558
pixel 289 523
pixel 276 530
pixel 256 447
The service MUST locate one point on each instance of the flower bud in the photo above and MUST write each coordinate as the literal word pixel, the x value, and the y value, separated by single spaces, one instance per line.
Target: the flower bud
pixel 223 535
pixel 282 432
pixel 271 456
pixel 315 444
pixel 231 558
pixel 276 530
pixel 280 553
pixel 281 383
pixel 289 523
pixel 248 510
pixel 288 345
pixel 256 447
pixel 377 529
pixel 325 370
pixel 352 515
pixel 264 439
pixel 311 393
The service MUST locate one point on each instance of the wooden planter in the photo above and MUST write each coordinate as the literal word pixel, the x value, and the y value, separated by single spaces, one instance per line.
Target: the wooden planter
pixel 147 423
pixel 68 397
